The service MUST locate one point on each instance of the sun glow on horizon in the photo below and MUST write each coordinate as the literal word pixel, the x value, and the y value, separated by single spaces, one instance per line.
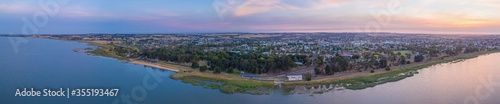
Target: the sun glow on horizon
pixel 178 16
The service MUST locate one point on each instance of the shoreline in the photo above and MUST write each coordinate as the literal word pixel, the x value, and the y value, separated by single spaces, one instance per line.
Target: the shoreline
pixel 154 65
pixel 363 81
pixel 242 85
pixel 132 61
pixel 353 82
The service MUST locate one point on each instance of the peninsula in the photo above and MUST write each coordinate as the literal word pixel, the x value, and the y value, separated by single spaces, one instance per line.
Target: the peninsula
pixel 247 61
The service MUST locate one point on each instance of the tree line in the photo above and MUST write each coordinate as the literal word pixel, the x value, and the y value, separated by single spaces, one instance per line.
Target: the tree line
pixel 226 61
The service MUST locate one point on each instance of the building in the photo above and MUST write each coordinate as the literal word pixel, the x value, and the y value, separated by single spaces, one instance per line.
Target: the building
pixel 346 55
pixel 250 76
pixel 299 63
pixel 295 77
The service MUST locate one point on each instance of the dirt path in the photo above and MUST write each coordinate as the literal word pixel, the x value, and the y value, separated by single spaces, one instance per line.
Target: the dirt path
pixel 154 65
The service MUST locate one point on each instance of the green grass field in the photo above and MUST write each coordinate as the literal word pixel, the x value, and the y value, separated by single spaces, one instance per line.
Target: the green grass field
pixel 403 52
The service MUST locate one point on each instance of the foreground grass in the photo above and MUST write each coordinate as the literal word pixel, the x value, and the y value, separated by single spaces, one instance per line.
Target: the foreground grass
pixel 103 50
pixel 403 52
pixel 227 84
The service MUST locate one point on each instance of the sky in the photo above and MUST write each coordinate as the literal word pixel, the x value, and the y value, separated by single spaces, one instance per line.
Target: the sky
pixel 216 16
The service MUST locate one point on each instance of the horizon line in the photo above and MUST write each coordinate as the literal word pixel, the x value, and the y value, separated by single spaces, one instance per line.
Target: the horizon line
pixel 414 33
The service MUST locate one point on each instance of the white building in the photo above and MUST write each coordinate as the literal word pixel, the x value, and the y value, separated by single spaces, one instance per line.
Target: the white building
pixel 297 77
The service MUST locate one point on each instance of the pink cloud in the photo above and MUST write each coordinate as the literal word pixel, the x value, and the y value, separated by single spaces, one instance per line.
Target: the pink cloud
pixel 259 6
pixel 16 7
pixel 155 15
pixel 85 12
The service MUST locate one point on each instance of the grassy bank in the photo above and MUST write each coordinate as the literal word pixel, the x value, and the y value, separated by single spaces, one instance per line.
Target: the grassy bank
pixel 225 84
pixel 381 77
pixel 104 50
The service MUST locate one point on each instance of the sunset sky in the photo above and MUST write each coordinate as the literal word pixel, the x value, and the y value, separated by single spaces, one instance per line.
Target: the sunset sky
pixel 207 16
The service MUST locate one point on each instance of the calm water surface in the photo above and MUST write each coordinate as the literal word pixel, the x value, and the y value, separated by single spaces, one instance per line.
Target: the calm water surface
pixel 44 63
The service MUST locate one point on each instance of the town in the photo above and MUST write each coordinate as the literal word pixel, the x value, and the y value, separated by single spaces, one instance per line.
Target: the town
pixel 288 56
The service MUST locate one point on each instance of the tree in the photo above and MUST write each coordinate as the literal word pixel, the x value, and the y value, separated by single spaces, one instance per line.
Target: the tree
pixel 355 57
pixel 419 58
pixel 376 63
pixel 203 68
pixel 230 70
pixel 195 64
pixel 383 63
pixel 217 70
pixel 319 60
pixel 328 70
pixel 343 63
pixel 402 60
pixel 212 68
pixel 308 61
pixel 317 71
pixel 408 55
pixel 308 76
pixel 196 58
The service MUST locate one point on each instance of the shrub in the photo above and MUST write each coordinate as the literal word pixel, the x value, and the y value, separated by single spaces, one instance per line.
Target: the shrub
pixel 308 76
pixel 229 70
pixel 195 65
pixel 203 68
pixel 317 71
pixel 217 70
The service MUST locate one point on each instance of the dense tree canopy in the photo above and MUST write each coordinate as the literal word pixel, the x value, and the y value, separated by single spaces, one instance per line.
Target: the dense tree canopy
pixel 419 58
pixel 227 61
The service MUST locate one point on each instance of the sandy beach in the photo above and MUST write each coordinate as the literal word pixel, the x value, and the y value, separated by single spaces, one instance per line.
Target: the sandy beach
pixel 155 65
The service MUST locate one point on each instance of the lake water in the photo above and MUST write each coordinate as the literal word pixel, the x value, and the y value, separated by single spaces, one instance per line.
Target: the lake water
pixel 44 63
